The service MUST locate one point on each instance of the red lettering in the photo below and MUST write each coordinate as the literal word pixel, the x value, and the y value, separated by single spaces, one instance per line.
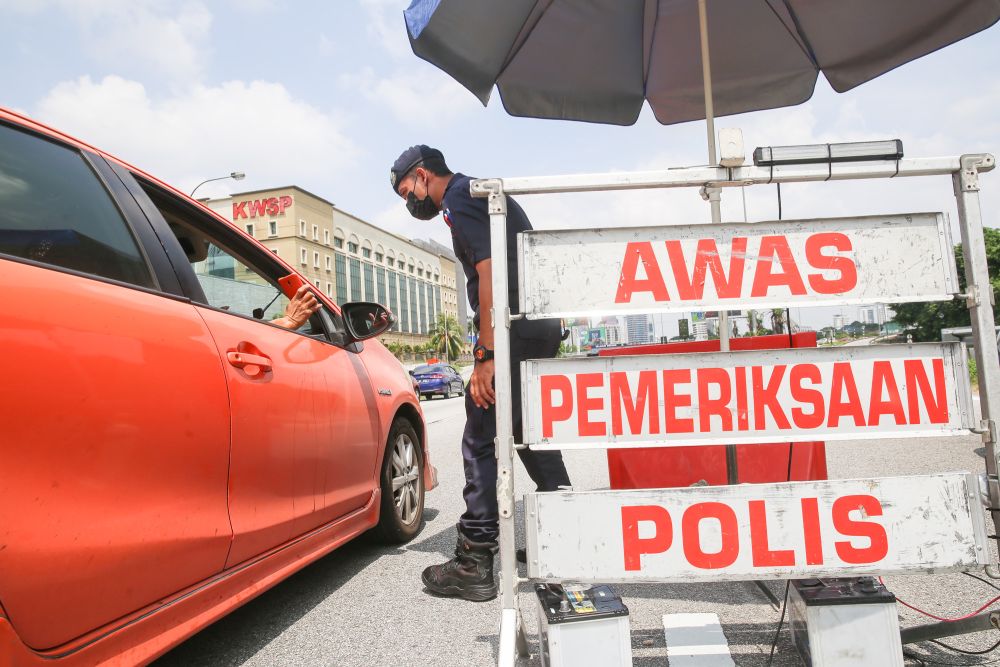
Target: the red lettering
pixel 742 414
pixel 848 279
pixel 776 248
pixel 916 380
pixel 672 400
pixel 707 258
pixel 284 202
pixel 272 206
pixel 586 404
pixel 691 530
pixel 645 403
pixel 884 382
pixel 257 207
pixel 548 385
pixel 629 283
pixel 763 555
pixel 878 545
pixel 633 545
pixel 805 396
pixel 766 397
pixel 239 210
pixel 811 531
pixel 714 407
pixel 843 380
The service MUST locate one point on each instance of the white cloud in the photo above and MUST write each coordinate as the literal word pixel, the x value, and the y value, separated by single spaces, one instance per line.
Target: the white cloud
pixel 387 27
pixel 170 37
pixel 420 95
pixel 255 127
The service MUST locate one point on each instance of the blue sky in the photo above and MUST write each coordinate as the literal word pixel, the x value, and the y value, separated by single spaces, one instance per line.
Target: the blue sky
pixel 326 94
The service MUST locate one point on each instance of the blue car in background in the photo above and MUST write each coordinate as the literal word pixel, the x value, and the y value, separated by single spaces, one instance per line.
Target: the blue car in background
pixel 439 379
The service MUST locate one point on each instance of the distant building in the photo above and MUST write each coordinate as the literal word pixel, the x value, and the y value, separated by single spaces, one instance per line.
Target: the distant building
pixel 349 259
pixel 637 328
pixel 838 322
pixel 433 246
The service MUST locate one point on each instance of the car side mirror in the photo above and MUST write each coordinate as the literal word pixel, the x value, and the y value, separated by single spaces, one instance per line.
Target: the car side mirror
pixel 366 320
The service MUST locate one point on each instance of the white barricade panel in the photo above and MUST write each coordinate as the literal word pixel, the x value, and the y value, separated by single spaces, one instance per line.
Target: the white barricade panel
pixel 877 259
pixel 927 523
pixel 794 395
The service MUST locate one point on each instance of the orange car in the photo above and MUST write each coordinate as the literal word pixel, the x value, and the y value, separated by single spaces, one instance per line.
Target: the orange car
pixel 168 453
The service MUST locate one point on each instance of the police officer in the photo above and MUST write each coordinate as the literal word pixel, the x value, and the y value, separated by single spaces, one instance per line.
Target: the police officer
pixel 421 177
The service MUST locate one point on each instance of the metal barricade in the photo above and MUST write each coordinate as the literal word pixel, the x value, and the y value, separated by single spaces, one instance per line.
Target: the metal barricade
pixel 927 523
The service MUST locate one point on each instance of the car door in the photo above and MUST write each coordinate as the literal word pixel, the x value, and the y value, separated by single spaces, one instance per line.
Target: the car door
pixel 303 437
pixel 115 443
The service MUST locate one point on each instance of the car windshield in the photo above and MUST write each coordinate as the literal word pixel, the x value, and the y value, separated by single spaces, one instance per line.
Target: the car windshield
pixel 419 370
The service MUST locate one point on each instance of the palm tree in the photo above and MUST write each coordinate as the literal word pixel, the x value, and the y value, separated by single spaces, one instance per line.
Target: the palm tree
pixel 446 336
pixel 778 320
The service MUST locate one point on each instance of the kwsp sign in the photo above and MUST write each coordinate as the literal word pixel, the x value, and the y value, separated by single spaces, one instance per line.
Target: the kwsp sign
pixel 686 533
pixel 258 208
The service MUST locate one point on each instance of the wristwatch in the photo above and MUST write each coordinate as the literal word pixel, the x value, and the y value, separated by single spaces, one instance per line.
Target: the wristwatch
pixel 482 353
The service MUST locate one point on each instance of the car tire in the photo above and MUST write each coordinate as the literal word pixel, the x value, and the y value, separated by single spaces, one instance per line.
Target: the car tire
pixel 447 393
pixel 401 512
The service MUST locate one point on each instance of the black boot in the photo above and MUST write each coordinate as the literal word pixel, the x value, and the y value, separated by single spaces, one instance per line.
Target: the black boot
pixel 468 575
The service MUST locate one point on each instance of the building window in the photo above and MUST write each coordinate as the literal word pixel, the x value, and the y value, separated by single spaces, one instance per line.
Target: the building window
pixel 302 228
pixel 378 257
pixel 401 265
pixel 274 250
pixel 315 233
pixel 329 263
pixel 303 256
pixel 404 305
pixel 316 260
pixel 356 280
pixel 420 273
pixel 272 228
pixel 326 236
pixel 380 282
pixel 250 229
pixel 329 289
pixel 393 298
pixel 352 247
pixel 369 283
pixel 338 243
pixel 366 253
pixel 411 268
pixel 341 275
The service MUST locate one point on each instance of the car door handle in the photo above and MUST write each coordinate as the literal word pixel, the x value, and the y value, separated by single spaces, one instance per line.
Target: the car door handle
pixel 252 364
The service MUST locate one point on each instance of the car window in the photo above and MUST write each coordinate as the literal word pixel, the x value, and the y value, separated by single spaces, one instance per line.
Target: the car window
pixel 229 281
pixel 54 209
pixel 422 369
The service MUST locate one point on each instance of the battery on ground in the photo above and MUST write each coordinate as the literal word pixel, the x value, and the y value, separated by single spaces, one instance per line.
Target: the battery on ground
pixel 582 625
pixel 848 622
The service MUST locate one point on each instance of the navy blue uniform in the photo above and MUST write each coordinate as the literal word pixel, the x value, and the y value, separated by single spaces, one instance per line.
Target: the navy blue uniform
pixel 469 220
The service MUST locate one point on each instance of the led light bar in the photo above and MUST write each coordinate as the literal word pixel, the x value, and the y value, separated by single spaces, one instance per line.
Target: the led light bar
pixel 860 151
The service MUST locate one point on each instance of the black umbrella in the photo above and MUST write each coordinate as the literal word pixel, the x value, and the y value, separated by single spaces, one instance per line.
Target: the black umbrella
pixel 599 60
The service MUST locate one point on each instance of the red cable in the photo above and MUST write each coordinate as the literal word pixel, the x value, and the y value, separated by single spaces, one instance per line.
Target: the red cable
pixel 941 618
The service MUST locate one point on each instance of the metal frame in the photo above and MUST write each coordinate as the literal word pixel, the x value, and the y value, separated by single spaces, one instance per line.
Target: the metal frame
pixel 964 171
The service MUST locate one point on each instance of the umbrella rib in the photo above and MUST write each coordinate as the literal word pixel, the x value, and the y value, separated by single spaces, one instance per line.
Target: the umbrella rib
pixel 515 46
pixel 804 45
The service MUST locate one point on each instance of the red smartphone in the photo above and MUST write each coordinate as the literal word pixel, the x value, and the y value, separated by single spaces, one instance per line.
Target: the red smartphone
pixel 290 284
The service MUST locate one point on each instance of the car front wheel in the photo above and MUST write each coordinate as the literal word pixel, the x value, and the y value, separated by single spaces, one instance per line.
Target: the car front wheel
pixel 402 482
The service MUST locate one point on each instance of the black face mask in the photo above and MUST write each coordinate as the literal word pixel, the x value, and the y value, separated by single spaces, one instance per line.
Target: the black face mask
pixel 421 209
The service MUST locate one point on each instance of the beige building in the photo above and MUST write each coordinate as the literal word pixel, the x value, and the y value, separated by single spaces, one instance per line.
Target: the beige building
pixel 348 258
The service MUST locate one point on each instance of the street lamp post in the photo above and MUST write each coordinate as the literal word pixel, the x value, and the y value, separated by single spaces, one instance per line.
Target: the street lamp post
pixel 235 175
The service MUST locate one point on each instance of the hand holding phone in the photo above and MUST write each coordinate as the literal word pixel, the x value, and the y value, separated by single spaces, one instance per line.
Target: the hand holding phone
pixel 290 284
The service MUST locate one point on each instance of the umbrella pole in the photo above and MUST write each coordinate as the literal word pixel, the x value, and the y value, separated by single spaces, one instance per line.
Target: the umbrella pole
pixel 714 200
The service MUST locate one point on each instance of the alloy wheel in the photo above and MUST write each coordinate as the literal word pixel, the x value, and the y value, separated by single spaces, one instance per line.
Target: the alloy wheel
pixel 405 479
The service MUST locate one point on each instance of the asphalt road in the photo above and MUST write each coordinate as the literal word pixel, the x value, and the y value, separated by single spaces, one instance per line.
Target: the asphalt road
pixel 364 604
